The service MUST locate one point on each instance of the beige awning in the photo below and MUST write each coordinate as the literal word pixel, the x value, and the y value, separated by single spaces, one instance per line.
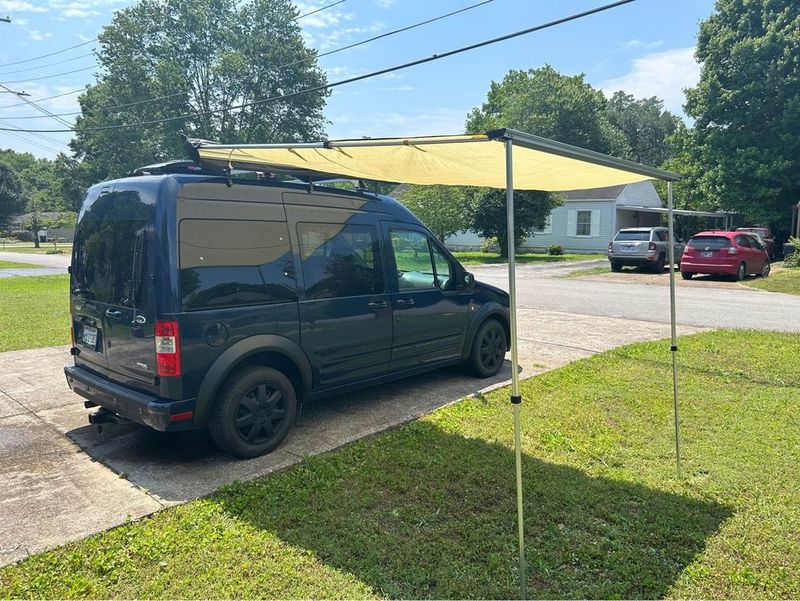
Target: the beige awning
pixel 462 160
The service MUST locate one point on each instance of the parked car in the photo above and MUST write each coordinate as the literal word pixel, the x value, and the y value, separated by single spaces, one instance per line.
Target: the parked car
pixel 736 254
pixel 642 246
pixel 196 304
pixel 765 235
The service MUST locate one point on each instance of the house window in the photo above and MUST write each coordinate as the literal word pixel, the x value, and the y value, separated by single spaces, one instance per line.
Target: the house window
pixel 583 224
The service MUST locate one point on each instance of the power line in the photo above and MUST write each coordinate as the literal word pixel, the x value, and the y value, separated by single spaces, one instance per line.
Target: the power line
pixel 36 58
pixel 52 76
pixel 39 108
pixel 314 12
pixel 15 131
pixel 66 60
pixel 8 106
pixel 353 79
pixel 32 143
pixel 293 63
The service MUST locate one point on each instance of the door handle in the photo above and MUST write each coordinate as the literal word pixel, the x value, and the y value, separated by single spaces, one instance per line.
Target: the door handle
pixel 405 302
pixel 377 304
pixel 114 314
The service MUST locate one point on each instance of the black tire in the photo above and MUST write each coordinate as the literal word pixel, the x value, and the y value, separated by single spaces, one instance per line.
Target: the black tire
pixel 488 349
pixel 686 275
pixel 658 266
pixel 765 270
pixel 254 411
pixel 616 267
pixel 741 272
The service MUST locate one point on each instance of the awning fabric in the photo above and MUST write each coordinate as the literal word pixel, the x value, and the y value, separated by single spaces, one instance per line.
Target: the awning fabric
pixel 462 160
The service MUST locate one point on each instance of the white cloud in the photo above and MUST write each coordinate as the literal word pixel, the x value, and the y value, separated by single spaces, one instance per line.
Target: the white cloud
pixel 38 36
pixel 83 38
pixel 379 124
pixel 664 74
pixel 403 88
pixel 342 37
pixel 384 3
pixel 19 6
pixel 323 19
pixel 641 45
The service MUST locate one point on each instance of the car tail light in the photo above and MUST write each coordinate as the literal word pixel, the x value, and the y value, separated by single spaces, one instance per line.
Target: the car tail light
pixel 168 349
pixel 652 246
pixel 732 250
pixel 610 246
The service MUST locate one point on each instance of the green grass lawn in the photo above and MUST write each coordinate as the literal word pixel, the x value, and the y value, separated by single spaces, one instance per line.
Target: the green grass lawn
pixel 598 270
pixel 34 311
pixel 480 258
pixel 30 248
pixel 780 280
pixel 15 265
pixel 427 510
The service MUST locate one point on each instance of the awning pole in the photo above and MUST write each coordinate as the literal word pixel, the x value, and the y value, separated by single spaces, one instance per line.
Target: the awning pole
pixel 516 399
pixel 674 346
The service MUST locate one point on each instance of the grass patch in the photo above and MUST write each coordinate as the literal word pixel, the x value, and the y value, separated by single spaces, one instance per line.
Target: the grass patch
pixel 34 312
pixel 780 280
pixel 15 265
pixel 428 511
pixel 578 273
pixel 29 248
pixel 482 258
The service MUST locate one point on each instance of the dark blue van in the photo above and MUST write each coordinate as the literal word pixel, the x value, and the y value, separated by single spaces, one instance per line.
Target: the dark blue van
pixel 200 302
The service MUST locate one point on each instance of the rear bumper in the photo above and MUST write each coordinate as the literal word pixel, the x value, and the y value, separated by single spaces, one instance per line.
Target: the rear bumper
pixel 633 259
pixel 690 266
pixel 159 414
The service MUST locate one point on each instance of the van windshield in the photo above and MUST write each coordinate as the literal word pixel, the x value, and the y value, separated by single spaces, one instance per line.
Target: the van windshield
pixel 108 253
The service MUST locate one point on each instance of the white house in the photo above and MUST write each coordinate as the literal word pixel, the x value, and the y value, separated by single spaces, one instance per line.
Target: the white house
pixel 587 220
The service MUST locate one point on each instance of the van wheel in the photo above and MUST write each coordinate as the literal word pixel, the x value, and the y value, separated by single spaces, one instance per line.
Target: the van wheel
pixel 741 272
pixel 488 349
pixel 254 412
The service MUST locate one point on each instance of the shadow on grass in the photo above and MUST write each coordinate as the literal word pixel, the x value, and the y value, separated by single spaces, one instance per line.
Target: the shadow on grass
pixel 422 513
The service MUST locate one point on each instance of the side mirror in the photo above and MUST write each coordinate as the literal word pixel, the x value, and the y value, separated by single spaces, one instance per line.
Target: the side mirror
pixel 469 280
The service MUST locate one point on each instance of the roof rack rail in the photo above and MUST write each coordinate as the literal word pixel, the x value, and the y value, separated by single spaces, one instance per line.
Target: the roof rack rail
pixel 176 167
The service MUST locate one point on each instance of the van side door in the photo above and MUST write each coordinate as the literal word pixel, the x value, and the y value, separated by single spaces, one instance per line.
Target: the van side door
pixel 345 315
pixel 430 309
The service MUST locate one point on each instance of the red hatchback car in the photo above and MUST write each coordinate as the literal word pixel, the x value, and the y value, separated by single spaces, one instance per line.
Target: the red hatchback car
pixel 730 253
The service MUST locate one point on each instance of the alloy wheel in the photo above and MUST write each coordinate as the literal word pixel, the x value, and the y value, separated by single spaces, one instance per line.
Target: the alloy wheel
pixel 492 350
pixel 260 413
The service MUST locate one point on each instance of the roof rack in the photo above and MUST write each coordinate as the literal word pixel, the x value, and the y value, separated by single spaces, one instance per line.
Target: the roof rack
pixel 176 167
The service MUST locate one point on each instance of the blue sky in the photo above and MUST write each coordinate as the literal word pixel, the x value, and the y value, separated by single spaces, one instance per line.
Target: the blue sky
pixel 645 48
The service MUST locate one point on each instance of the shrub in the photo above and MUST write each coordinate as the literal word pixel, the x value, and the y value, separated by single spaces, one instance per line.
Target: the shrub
pixel 555 250
pixel 22 235
pixel 793 260
pixel 489 245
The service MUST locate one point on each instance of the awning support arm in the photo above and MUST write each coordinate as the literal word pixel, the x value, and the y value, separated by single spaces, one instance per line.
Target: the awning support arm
pixel 673 329
pixel 516 398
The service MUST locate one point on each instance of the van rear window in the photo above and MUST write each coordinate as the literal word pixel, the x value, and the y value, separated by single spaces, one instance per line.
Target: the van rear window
pixel 229 263
pixel 621 236
pixel 108 252
pixel 709 242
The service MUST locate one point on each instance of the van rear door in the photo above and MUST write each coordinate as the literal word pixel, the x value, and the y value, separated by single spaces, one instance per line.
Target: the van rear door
pixel 112 272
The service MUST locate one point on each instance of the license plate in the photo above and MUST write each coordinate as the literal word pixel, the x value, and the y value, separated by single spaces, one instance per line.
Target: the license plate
pixel 707 253
pixel 629 249
pixel 89 336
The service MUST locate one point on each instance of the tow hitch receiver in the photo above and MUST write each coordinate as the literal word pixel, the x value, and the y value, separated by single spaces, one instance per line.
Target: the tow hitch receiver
pixel 104 416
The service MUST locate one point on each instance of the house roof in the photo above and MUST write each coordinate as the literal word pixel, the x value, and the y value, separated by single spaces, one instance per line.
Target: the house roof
pixel 607 193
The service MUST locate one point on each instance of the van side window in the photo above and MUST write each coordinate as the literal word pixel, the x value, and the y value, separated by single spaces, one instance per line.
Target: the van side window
pixel 234 263
pixel 340 260
pixel 420 263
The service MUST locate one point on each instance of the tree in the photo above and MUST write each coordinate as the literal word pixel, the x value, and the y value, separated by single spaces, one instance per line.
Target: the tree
pixel 202 56
pixel 531 209
pixel 444 209
pixel 546 103
pixel 12 202
pixel 746 107
pixel 646 126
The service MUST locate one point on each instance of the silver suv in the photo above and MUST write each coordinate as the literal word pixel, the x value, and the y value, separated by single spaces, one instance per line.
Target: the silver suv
pixel 642 246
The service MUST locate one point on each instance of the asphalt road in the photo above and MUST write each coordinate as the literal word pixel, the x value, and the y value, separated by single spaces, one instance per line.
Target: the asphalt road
pixel 729 305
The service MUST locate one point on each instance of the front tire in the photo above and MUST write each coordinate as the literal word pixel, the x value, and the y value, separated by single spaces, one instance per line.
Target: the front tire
pixel 741 272
pixel 686 275
pixel 254 411
pixel 488 349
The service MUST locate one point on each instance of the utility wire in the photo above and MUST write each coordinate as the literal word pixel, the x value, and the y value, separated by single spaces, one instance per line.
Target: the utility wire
pixel 321 8
pixel 31 142
pixel 36 58
pixel 369 75
pixel 52 76
pixel 19 132
pixel 287 65
pixel 39 108
pixel 8 106
pixel 66 60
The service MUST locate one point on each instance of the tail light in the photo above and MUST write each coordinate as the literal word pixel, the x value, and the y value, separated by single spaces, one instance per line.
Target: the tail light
pixel 652 246
pixel 168 349
pixel 732 250
pixel 610 246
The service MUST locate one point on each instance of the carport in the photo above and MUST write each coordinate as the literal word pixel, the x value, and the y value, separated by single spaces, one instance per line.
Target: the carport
pixel 724 219
pixel 502 158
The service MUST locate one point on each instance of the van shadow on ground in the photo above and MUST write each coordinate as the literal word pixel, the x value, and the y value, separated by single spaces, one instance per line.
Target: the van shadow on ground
pixel 181 466
pixel 422 513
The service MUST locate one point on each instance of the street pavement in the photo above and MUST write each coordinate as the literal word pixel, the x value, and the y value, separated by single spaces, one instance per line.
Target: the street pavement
pixel 63 480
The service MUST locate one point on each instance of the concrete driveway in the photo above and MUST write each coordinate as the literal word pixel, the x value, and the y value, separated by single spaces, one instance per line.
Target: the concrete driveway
pixel 49 264
pixel 64 480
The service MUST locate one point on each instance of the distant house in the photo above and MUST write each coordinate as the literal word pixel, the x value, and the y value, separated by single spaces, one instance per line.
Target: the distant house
pixel 587 220
pixel 62 234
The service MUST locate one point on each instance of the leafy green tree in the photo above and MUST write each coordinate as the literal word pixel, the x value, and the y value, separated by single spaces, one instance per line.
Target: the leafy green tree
pixel 646 126
pixel 12 202
pixel 746 107
pixel 204 55
pixel 444 209
pixel 546 103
